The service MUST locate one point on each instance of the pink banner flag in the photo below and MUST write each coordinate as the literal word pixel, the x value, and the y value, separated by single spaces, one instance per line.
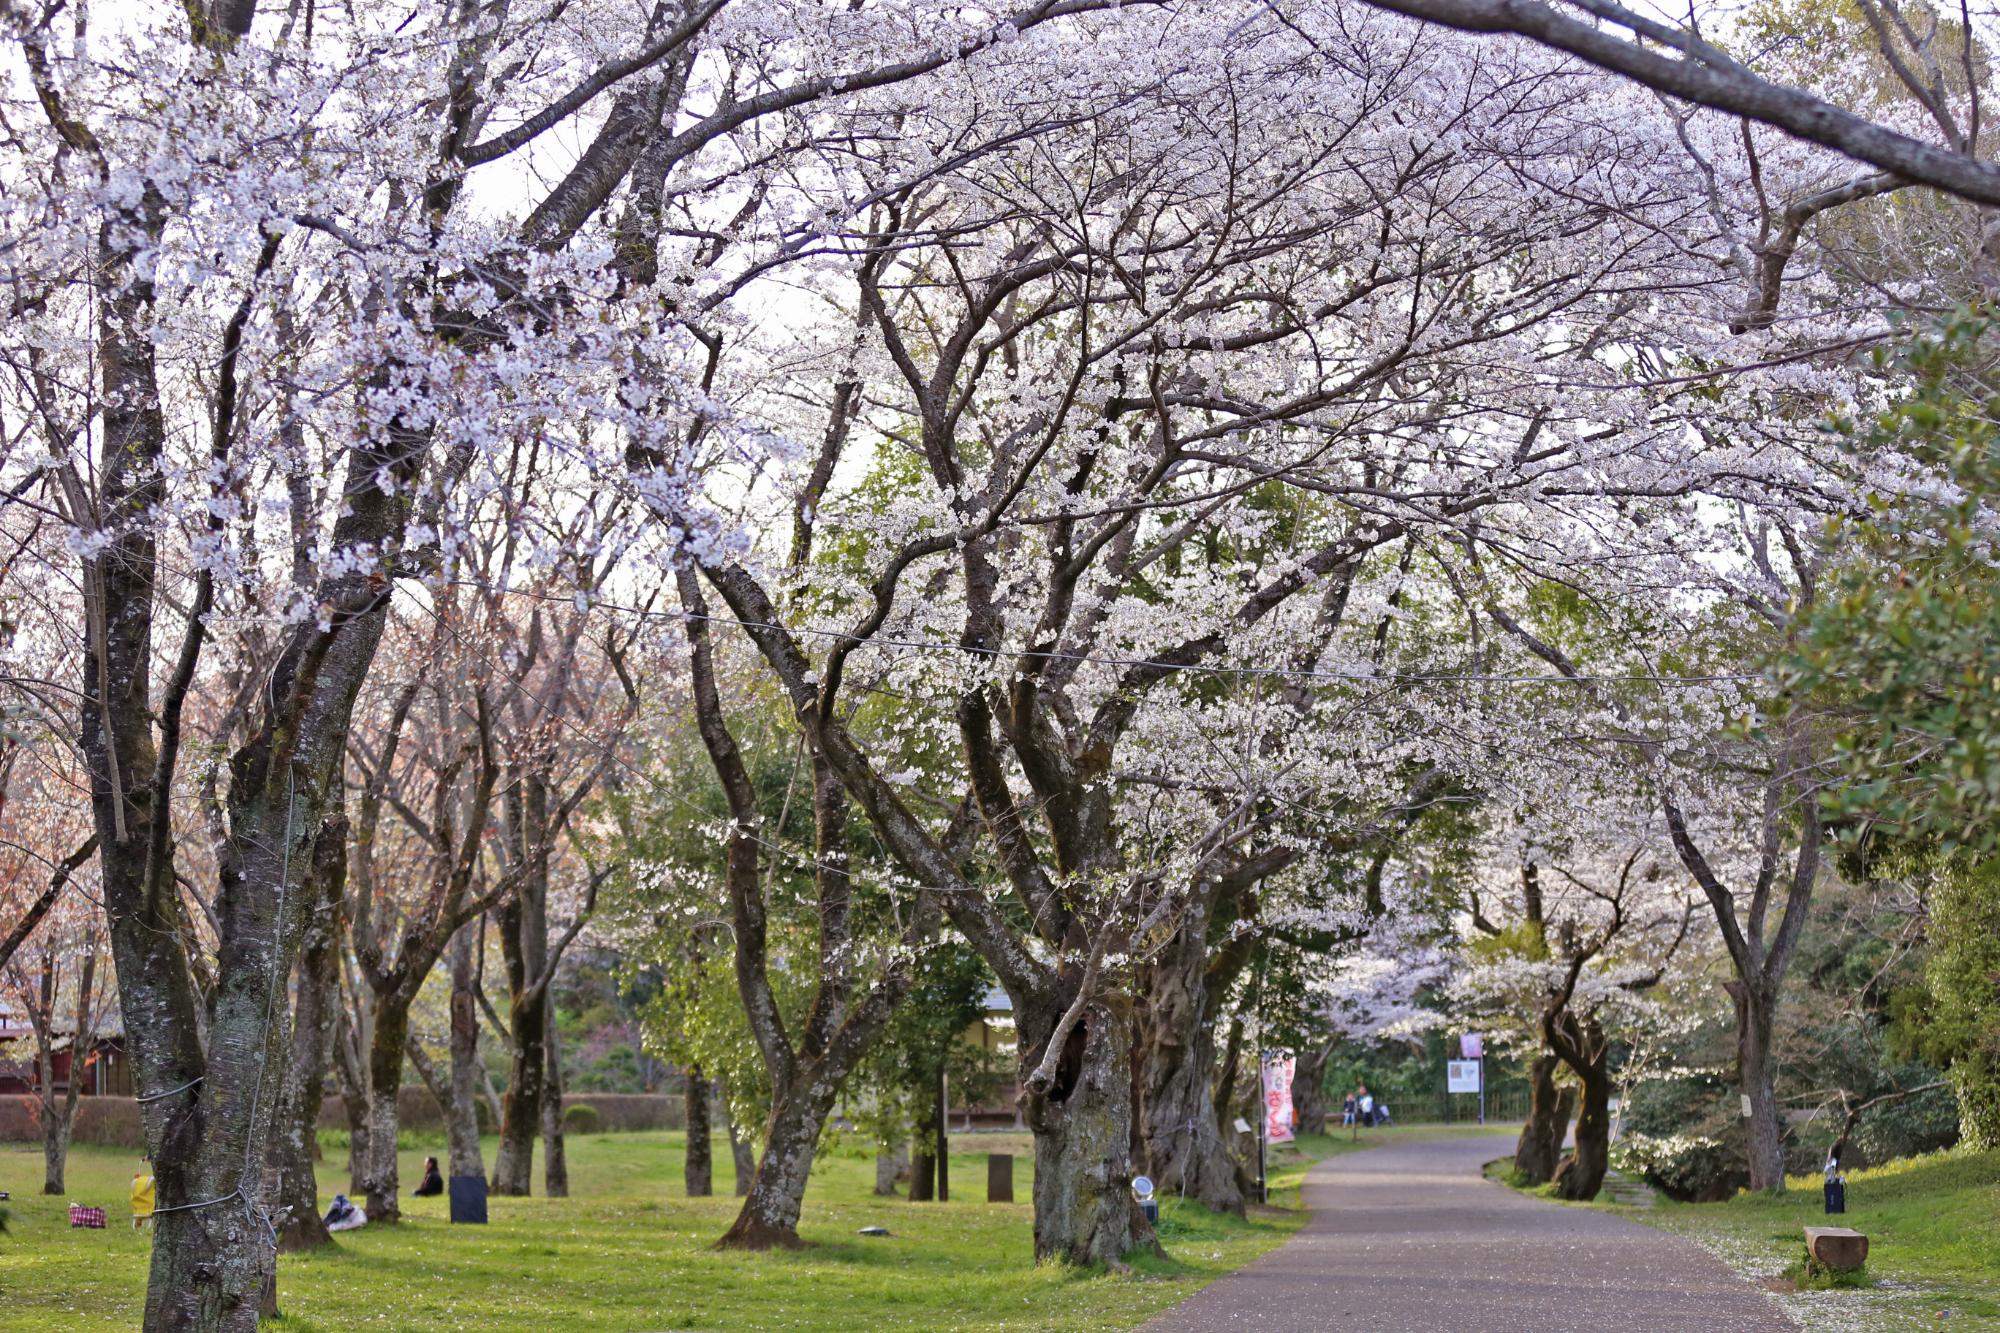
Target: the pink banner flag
pixel 1278 1099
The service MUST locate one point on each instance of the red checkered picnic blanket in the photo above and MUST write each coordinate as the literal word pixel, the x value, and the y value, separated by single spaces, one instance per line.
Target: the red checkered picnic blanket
pixel 80 1216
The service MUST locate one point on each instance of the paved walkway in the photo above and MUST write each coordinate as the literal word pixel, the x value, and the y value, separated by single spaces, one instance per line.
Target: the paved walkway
pixel 1411 1239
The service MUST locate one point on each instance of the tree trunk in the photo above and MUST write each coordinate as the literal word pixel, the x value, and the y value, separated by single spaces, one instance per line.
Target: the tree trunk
pixel 350 1073
pixel 523 923
pixel 521 1106
pixel 462 1114
pixel 698 1170
pixel 295 1149
pixel 890 1164
pixel 742 1156
pixel 1581 1174
pixel 1082 1121
pixel 555 1161
pixel 1309 1089
pixel 1540 1146
pixel 1175 1055
pixel 55 1143
pixel 1225 1080
pixel 943 1140
pixel 1757 1077
pixel 385 1080
pixel 58 1114
pixel 923 1154
pixel 770 1215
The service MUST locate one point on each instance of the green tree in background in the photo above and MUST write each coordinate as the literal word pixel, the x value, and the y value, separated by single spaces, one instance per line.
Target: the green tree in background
pixel 1908 645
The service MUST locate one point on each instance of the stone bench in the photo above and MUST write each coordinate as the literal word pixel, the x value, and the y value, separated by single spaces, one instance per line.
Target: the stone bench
pixel 1837 1247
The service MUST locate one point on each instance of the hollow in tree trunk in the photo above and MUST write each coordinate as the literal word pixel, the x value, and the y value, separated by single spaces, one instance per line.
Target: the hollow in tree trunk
pixel 698 1169
pixel 1085 1212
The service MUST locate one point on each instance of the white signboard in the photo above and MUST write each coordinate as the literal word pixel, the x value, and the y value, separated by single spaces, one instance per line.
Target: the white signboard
pixel 1461 1075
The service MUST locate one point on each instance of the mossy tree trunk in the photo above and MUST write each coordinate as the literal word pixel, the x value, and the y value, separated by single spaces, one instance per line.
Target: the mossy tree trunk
pixel 1082 1120
pixel 293 1150
pixel 1174 1059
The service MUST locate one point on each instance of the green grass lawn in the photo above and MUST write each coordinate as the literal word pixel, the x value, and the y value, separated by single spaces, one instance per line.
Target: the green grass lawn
pixel 629 1251
pixel 1933 1227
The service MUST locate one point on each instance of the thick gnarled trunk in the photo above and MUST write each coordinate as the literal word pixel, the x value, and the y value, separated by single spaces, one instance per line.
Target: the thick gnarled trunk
pixel 1540 1145
pixel 1174 1059
pixel 1085 1211
pixel 1176 998
pixel 1581 1174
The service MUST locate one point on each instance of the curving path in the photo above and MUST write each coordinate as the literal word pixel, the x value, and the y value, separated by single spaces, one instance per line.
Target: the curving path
pixel 1412 1239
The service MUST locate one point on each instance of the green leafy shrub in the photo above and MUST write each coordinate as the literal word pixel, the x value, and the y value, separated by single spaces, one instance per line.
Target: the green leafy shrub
pixel 1689 1167
pixel 580 1118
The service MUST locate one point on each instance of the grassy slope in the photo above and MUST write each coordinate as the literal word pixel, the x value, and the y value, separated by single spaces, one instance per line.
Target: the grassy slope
pixel 1933 1227
pixel 629 1251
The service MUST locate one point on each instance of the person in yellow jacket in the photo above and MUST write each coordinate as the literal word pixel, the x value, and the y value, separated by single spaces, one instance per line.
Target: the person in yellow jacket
pixel 142 1195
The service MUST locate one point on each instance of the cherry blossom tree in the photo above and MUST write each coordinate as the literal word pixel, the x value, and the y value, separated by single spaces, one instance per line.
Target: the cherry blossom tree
pixel 1581 921
pixel 1102 503
pixel 292 258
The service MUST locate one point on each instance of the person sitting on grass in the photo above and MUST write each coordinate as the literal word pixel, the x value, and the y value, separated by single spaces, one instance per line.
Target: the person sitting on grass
pixel 345 1215
pixel 142 1194
pixel 433 1182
